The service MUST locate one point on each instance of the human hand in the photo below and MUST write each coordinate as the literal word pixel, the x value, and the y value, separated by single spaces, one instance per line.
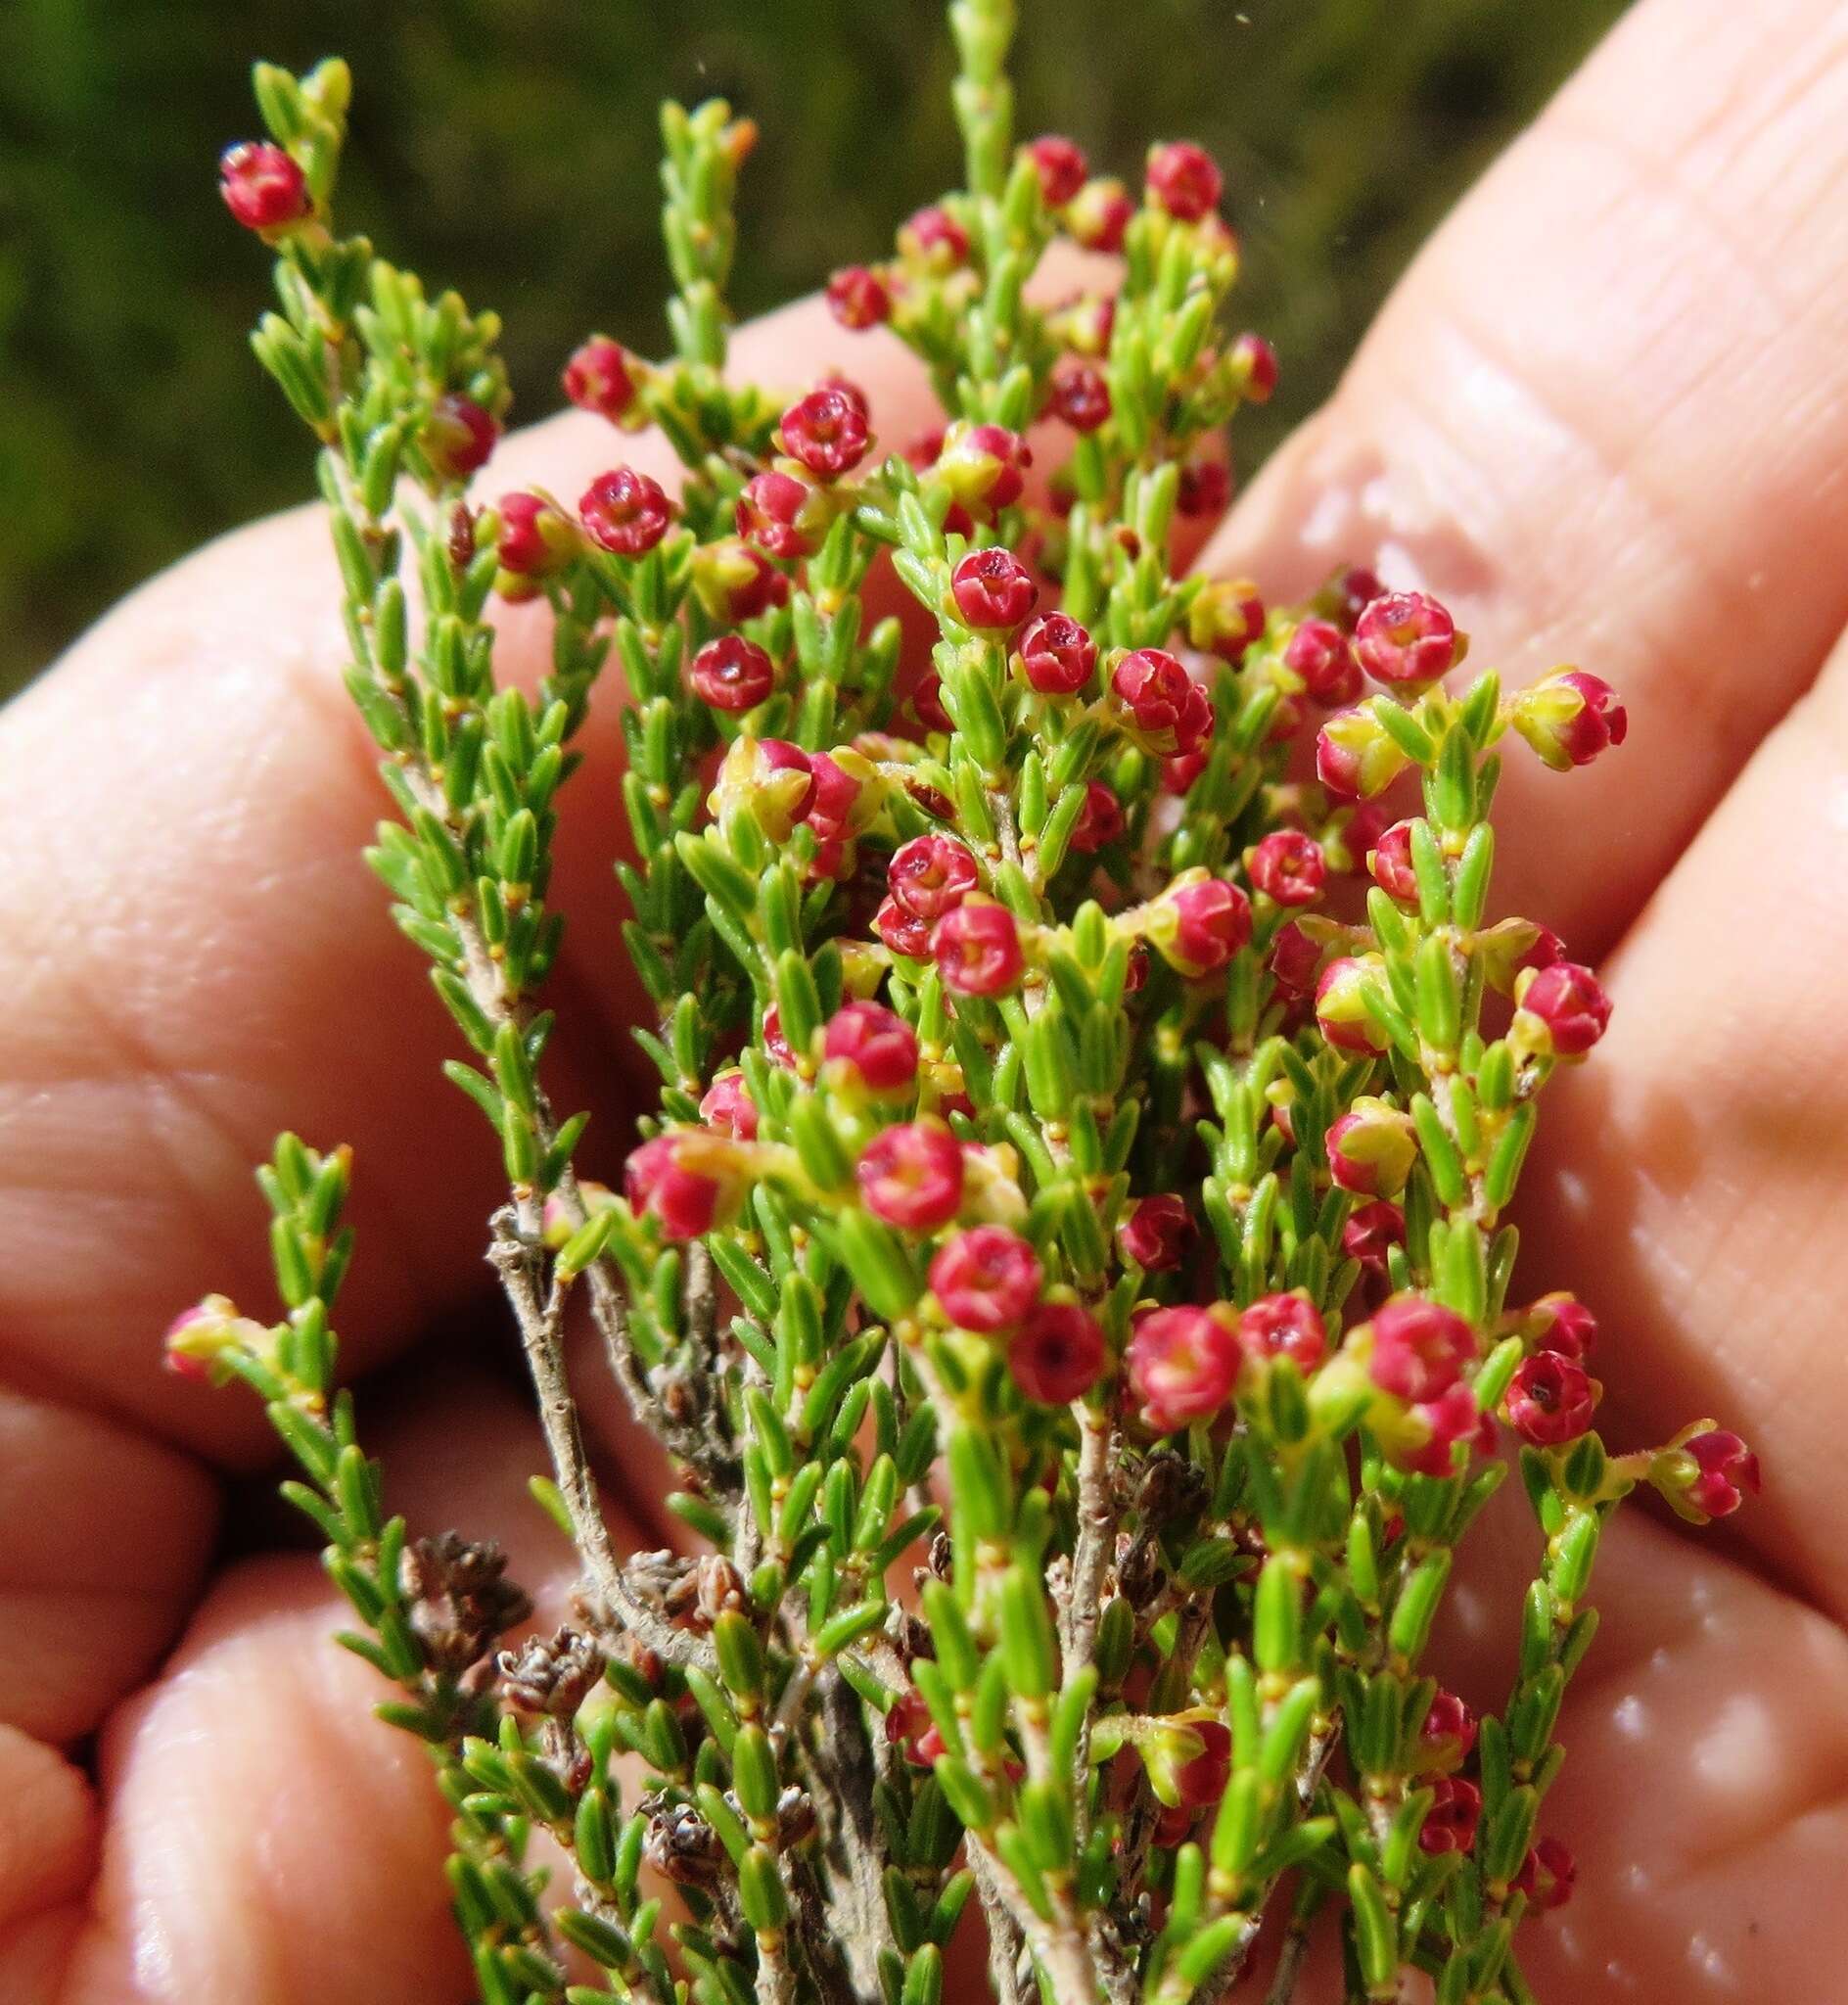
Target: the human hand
pixel 1603 418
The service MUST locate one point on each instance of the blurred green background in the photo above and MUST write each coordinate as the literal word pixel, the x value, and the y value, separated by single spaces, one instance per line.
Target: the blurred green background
pixel 508 147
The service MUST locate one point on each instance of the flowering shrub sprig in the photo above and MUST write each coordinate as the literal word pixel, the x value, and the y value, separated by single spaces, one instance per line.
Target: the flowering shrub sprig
pixel 1066 1260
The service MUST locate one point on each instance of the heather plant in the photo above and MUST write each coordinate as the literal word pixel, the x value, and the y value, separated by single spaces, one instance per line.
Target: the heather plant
pixel 1067 1261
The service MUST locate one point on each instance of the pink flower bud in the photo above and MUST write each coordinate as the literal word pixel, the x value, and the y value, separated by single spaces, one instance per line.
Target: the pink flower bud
pixel 1341 1008
pixel 1288 1325
pixel 927 703
pixel 1204 489
pixel 727 1107
pixel 826 431
pixel 1426 1440
pixel 775 1044
pixel 1708 1475
pixel 1181 773
pixel 1182 1363
pixel 262 186
pixel 538 538
pixel 902 930
pixel 1355 756
pixel 599 378
pixel 1287 865
pixel 934 239
pixel 1563 1011
pixel 1449 1825
pixel 559 1221
pixel 1294 960
pixel 1560 1323
pixel 1372 1149
pixel 199 1340
pixel 1199 922
pixel 1099 822
pixel 977 947
pixel 1061 166
pixel 1159 703
pixel 1058 1354
pixel 1185 179
pixel 768 778
pixel 931 876
pixel 909 1725
pixel 1081 396
pixel 993 589
pixel 1099 214
pixel 875 1045
pixel 784 517
pixel 849 794
pixel 626 511
pixel 1418 1348
pixel 1406 638
pixel 1447 1736
pixel 1156 1232
pixel 857 298
pixel 1348 594
pixel 731 673
pixel 688 1181
pixel 1389 863
pixel 986 1279
pixel 457 436
pixel 736 582
pixel 1226 615
pixel 1548 1876
pixel 1256 361
pixel 1319 652
pixel 1189 1762
pixel 912 1176
pixel 1056 655
pixel 1551 1400
pixel 1371 1234
pixel 1569 718
pixel 984 466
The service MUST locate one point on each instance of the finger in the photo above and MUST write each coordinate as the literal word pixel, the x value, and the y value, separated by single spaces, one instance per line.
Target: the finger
pixel 196 957
pixel 266 1839
pixel 1688 1179
pixel 1605 418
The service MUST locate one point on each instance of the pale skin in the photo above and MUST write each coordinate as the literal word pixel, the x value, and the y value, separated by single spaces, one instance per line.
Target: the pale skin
pixel 1605 418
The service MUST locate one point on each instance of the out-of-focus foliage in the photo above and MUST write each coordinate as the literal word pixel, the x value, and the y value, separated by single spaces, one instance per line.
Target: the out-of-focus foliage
pixel 509 146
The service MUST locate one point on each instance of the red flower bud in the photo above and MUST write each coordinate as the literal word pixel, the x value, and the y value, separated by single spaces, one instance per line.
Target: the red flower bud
pixel 857 298
pixel 736 582
pixel 1419 1348
pixel 1341 1010
pixel 1371 1232
pixel 1289 866
pixel 934 239
pixel 876 1045
pixel 1283 1326
pixel 1061 166
pixel 1056 655
pixel 1551 1400
pixel 993 589
pixel 1226 615
pixel 927 702
pixel 1184 180
pixel 262 186
pixel 1569 718
pixel 1449 1825
pixel 729 1107
pixel 1563 1009
pixel 984 466
pixel 1099 214
pixel 731 673
pixel 902 931
pixel 1179 773
pixel 1389 863
pixel 1548 1876
pixel 598 378
pixel 1156 1232
pixel 775 1044
pixel 1355 756
pixel 931 876
pixel 1099 822
pixel 1200 924
pixel 1201 1779
pixel 768 778
pixel 1372 1149
pixel 457 436
pixel 909 1725
pixel 686 1180
pixel 1058 1354
pixel 1406 637
pixel 912 1176
pixel 977 949
pixel 1205 489
pixel 1182 1363
pixel 1294 959
pixel 199 1340
pixel 826 431
pixel 986 1279
pixel 783 516
pixel 1256 360
pixel 626 511
pixel 1081 396
pixel 1160 702
pixel 1348 594
pixel 1727 1473
pixel 849 794
pixel 1433 1430
pixel 1319 652
pixel 538 538
pixel 1560 1323
pixel 1447 1736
